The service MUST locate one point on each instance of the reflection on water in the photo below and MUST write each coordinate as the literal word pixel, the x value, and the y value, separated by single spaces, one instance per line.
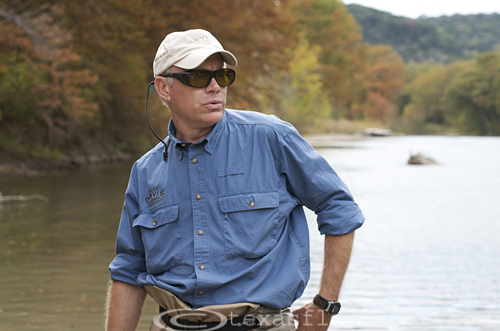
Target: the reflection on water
pixel 426 258
pixel 54 255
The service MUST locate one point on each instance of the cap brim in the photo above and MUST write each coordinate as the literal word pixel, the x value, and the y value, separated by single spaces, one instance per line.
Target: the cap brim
pixel 195 58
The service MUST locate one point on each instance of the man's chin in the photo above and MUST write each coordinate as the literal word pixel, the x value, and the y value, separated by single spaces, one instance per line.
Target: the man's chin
pixel 214 116
pixel 218 112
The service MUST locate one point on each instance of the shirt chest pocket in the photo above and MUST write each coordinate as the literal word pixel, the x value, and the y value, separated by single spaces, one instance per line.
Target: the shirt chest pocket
pixel 250 224
pixel 161 235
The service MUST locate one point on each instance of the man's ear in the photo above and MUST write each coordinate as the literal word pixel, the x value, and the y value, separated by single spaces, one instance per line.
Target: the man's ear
pixel 163 88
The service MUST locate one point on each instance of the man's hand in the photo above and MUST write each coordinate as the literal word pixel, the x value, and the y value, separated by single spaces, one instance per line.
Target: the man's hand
pixel 311 318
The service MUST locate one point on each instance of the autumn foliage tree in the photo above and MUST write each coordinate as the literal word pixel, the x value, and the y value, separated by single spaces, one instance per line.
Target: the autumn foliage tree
pixel 32 36
pixel 362 81
pixel 109 36
pixel 379 85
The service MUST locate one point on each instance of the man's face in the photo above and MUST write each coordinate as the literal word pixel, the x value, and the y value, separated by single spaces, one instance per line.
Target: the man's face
pixel 197 109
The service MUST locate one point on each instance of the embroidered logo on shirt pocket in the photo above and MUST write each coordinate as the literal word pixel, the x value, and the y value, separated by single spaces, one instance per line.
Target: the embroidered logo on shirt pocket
pixel 161 235
pixel 250 224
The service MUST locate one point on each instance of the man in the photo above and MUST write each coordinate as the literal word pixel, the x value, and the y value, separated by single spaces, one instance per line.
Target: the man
pixel 213 219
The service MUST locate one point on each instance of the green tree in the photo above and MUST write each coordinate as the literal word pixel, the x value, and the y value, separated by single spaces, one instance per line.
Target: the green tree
pixel 18 79
pixel 299 95
pixel 328 24
pixel 425 112
pixel 471 99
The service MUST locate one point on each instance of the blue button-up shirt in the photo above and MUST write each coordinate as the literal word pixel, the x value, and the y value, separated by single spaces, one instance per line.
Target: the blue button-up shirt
pixel 221 221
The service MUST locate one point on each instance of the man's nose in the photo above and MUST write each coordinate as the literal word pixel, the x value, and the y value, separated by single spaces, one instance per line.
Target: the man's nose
pixel 213 86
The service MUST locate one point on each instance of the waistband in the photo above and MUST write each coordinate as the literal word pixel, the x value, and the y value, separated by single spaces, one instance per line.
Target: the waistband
pixel 175 307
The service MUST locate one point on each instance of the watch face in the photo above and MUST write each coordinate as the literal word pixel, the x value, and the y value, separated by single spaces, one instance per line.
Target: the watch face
pixel 333 308
pixel 336 308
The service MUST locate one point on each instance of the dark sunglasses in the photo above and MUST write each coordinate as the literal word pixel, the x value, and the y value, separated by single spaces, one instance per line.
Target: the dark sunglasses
pixel 202 78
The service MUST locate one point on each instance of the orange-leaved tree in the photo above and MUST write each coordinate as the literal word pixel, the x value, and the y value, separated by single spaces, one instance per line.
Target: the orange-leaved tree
pixel 35 33
pixel 380 85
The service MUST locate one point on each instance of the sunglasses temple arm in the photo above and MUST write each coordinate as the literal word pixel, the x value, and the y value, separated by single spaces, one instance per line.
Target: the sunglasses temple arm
pixel 151 128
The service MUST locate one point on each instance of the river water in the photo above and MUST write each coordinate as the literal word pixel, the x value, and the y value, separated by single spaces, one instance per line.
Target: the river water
pixel 427 257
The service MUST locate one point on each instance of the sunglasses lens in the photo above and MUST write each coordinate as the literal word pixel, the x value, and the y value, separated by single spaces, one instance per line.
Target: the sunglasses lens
pixel 225 77
pixel 199 78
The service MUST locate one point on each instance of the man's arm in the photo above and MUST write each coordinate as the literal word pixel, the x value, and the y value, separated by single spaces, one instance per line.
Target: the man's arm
pixel 124 306
pixel 337 255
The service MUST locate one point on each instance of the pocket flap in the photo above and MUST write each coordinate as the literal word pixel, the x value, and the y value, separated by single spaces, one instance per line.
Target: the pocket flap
pixel 251 201
pixel 231 171
pixel 163 216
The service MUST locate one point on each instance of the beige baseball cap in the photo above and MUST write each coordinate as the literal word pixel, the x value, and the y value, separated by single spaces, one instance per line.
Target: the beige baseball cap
pixel 187 50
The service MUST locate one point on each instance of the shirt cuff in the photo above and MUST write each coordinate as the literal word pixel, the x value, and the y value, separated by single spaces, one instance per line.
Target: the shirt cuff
pixel 342 218
pixel 126 268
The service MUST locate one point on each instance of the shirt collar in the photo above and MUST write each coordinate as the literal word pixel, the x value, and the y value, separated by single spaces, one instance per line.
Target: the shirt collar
pixel 210 140
pixel 213 137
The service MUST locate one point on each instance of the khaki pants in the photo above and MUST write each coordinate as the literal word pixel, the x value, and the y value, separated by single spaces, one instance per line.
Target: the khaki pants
pixel 269 319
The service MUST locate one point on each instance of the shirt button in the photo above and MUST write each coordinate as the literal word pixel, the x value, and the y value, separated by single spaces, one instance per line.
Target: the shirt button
pixel 202 267
pixel 200 232
pixel 201 293
pixel 252 203
pixel 154 223
pixel 195 161
pixel 198 197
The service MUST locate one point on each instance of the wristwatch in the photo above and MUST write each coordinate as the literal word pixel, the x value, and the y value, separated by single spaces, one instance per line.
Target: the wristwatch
pixel 331 307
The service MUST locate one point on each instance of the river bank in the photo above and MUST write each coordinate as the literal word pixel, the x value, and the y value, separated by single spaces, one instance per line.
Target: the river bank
pixel 35 167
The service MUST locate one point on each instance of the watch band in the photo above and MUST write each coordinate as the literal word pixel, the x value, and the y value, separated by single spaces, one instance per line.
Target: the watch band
pixel 331 307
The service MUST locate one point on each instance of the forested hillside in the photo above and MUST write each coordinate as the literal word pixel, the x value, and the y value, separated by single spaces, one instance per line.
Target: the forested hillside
pixel 443 39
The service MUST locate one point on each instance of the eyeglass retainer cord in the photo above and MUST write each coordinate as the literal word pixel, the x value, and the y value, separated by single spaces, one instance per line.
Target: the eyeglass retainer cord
pixel 151 128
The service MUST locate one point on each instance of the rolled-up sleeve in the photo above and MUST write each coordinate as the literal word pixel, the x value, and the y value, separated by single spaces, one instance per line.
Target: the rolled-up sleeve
pixel 130 258
pixel 317 186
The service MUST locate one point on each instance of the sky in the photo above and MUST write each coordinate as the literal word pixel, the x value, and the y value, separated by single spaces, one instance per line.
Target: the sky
pixel 430 8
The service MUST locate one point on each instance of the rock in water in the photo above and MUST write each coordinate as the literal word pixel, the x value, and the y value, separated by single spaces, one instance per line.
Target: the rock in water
pixel 420 159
